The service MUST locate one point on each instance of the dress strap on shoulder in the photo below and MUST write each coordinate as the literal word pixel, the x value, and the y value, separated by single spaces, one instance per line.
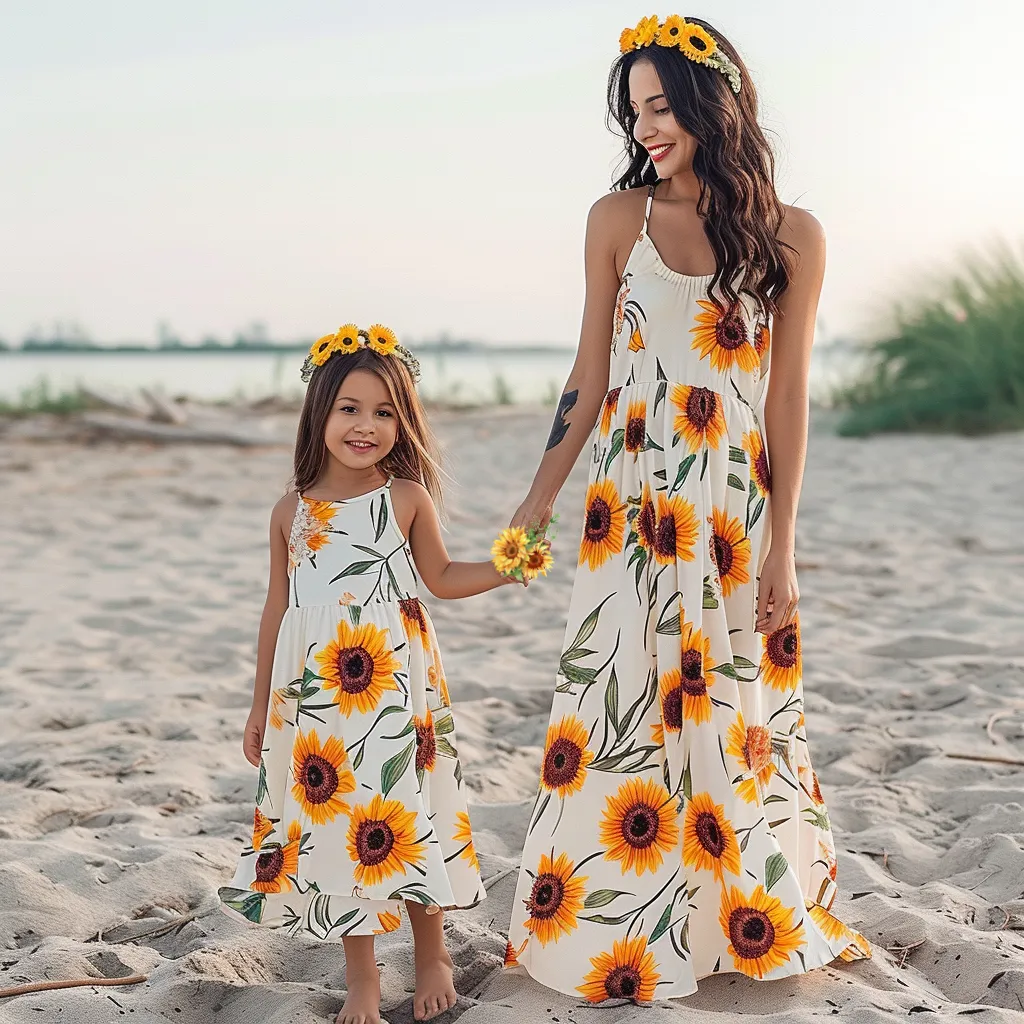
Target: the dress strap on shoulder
pixel 647 209
pixel 390 480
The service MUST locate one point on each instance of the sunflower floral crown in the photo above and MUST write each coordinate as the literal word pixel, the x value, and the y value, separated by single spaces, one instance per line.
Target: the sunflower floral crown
pixel 350 338
pixel 695 42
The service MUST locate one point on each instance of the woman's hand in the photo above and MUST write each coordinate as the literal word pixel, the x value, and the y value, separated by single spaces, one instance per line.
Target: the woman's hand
pixel 252 738
pixel 778 593
pixel 533 512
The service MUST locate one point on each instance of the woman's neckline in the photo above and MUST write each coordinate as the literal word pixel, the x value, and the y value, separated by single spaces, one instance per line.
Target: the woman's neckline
pixel 646 233
pixel 663 269
pixel 668 269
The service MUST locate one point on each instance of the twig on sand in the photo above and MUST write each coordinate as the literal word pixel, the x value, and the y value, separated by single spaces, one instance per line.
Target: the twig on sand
pixel 987 758
pixel 994 717
pixel 494 879
pixel 160 929
pixel 994 871
pixel 45 986
pixel 904 950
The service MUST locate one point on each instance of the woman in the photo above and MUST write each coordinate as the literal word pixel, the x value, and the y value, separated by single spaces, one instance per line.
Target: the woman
pixel 679 830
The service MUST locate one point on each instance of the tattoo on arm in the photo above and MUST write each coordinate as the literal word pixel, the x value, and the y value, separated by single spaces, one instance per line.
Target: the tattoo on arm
pixel 560 427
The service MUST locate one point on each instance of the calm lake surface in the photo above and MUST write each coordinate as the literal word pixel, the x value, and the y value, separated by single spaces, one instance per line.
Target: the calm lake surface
pixel 533 375
pixel 474 376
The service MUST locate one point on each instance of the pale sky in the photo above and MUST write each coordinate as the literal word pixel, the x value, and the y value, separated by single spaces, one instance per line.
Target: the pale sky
pixel 430 165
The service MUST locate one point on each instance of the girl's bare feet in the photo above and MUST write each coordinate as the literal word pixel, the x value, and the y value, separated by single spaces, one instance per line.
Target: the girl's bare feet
pixel 435 989
pixel 362 979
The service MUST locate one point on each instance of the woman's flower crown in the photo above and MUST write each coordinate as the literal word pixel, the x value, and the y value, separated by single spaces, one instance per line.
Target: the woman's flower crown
pixel 350 339
pixel 695 41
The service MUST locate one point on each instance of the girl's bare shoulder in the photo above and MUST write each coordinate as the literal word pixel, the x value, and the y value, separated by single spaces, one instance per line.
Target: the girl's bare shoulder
pixel 409 494
pixel 284 511
pixel 408 497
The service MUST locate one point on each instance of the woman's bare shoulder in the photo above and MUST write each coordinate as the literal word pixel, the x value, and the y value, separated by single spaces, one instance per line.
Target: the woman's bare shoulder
pixel 800 228
pixel 618 208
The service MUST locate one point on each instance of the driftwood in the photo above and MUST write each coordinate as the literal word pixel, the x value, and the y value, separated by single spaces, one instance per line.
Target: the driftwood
pixel 45 986
pixel 169 433
pixel 163 411
pixel 106 400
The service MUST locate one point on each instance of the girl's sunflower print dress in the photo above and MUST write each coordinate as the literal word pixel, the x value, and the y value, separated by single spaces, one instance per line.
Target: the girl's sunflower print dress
pixel 360 803
pixel 679 830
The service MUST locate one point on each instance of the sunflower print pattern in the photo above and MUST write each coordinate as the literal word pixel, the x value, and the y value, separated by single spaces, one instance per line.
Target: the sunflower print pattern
pixel 360 804
pixel 679 828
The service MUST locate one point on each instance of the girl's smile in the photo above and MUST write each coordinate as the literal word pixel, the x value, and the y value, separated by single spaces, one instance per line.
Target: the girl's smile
pixel 361 446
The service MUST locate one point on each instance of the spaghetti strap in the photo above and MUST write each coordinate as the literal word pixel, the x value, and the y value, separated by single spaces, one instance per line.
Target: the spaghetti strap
pixel 647 210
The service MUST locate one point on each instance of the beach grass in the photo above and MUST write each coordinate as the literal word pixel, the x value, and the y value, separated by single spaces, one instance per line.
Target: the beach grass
pixel 951 359
pixel 40 398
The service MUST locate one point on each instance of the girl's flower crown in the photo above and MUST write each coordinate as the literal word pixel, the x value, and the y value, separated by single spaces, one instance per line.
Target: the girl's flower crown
pixel 350 339
pixel 696 43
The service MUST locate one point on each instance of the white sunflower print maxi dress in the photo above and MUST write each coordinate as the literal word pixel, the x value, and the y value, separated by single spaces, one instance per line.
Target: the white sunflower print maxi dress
pixel 360 803
pixel 679 830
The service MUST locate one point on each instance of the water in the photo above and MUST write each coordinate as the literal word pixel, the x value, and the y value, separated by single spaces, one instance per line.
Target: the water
pixel 462 376
pixel 472 376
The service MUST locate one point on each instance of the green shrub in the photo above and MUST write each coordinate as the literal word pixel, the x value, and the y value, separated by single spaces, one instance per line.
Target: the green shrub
pixel 502 392
pixel 952 359
pixel 39 399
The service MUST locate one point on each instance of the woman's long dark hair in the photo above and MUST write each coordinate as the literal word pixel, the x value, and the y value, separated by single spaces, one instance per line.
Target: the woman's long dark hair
pixel 414 456
pixel 733 162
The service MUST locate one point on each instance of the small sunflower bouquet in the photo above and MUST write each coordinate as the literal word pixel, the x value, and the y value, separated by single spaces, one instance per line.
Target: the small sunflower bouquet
pixel 523 554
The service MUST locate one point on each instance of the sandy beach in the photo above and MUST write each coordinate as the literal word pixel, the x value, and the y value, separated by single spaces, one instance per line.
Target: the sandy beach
pixel 133 578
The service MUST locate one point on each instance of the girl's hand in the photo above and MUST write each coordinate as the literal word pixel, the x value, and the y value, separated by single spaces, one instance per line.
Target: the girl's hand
pixel 778 593
pixel 533 512
pixel 252 739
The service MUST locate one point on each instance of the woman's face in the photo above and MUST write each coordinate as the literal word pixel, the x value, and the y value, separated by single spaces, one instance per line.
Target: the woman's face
pixel 670 146
pixel 363 424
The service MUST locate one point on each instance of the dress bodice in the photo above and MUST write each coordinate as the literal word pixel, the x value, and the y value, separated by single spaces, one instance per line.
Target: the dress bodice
pixel 349 552
pixel 668 328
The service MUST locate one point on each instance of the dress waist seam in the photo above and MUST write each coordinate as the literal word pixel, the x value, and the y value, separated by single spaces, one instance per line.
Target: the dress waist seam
pixel 670 383
pixel 353 604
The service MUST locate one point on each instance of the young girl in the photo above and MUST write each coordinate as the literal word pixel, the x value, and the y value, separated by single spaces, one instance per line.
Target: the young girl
pixel 679 829
pixel 360 807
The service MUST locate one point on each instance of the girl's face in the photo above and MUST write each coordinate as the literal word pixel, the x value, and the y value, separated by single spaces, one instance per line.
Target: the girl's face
pixel 362 426
pixel 671 147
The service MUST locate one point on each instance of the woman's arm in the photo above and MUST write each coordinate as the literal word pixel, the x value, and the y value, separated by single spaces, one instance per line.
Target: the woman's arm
pixel 786 414
pixel 587 384
pixel 417 518
pixel 270 623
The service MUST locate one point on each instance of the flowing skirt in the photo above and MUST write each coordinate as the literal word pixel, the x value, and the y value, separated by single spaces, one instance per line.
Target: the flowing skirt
pixel 359 803
pixel 679 829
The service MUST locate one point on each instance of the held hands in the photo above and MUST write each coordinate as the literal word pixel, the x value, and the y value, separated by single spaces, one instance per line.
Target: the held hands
pixel 252 738
pixel 522 551
pixel 778 593
pixel 533 512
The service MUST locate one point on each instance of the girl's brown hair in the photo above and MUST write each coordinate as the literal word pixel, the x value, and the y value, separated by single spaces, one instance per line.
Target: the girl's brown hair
pixel 734 164
pixel 415 454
